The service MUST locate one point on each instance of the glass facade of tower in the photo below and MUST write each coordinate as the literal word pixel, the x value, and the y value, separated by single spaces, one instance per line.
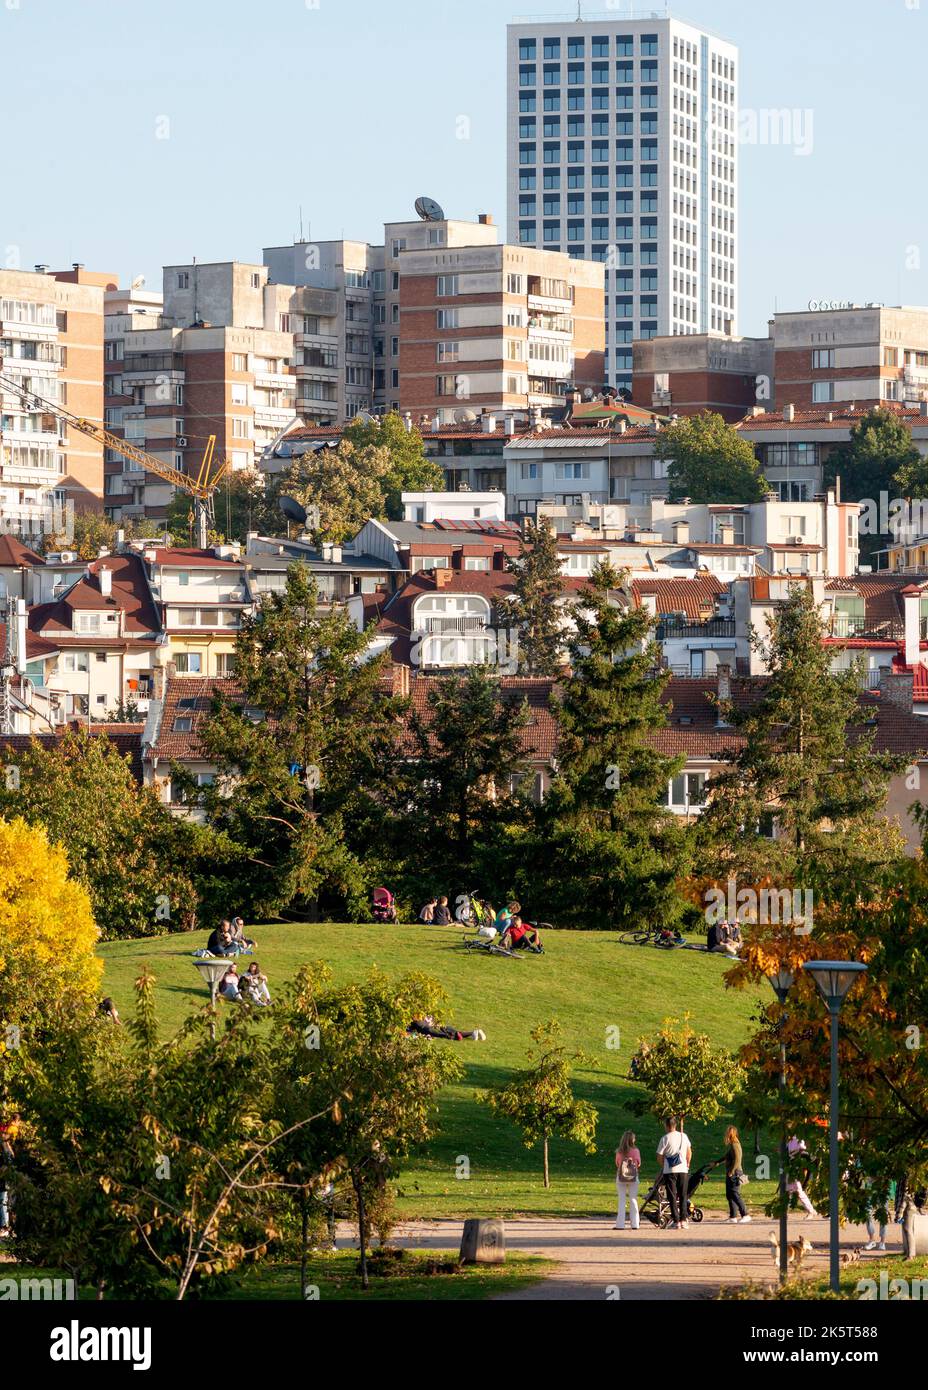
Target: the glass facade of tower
pixel 622 148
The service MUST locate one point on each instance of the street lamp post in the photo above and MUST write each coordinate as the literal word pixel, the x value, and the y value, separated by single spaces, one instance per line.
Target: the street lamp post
pixel 782 982
pixel 834 979
pixel 212 968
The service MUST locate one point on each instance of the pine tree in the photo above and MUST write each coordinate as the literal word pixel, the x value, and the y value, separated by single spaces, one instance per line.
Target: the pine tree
pixel 533 610
pixel 298 778
pixel 609 850
pixel 467 747
pixel 805 760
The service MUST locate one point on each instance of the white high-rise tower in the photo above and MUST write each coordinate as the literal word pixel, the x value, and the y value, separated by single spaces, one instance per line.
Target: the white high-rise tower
pixel 623 147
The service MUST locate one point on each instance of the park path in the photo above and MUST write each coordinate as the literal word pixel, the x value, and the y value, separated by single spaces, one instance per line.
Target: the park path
pixel 593 1260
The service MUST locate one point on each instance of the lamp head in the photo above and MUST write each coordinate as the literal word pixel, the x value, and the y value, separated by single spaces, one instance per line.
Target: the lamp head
pixel 834 979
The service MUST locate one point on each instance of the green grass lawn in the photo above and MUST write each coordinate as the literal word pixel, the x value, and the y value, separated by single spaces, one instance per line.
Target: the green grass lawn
pixel 587 979
pixel 335 1276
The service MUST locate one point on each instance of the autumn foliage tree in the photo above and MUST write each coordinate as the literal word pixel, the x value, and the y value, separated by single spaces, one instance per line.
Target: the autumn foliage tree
pixel 48 965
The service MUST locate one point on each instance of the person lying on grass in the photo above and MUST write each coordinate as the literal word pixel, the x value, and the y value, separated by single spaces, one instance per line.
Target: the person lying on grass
pixel 428 1028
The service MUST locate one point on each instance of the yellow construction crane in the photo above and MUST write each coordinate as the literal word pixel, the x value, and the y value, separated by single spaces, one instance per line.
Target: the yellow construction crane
pixel 200 489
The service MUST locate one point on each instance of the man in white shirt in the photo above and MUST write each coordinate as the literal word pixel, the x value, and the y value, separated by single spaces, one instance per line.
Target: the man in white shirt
pixel 675 1152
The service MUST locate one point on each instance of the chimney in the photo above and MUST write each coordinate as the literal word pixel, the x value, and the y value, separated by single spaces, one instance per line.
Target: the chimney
pixel 407 421
pixel 443 578
pixel 511 423
pixel 41 270
pixel 911 600
pixel 489 424
pixel 789 413
pixel 681 532
pixel 897 688
pixel 724 693
pixel 400 675
pixel 485 219
pixel 105 577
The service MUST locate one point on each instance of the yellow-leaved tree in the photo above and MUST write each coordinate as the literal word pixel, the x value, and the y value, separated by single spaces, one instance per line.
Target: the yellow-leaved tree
pixel 47 934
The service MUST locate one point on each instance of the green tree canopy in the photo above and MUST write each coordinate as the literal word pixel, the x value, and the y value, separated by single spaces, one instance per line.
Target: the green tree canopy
pixel 533 611
pixel 709 461
pixel 608 851
pixel 541 1100
pixel 408 469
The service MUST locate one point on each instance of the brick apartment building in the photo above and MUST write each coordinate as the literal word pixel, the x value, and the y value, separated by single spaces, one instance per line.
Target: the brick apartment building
pixel 498 328
pixel 860 355
pixel 51 340
pixel 703 371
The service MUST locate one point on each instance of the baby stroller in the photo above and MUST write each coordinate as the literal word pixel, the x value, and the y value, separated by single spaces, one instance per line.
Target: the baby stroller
pixel 656 1207
pixel 383 905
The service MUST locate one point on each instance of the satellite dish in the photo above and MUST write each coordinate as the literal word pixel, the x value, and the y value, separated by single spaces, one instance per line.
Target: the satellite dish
pixel 292 510
pixel 137 283
pixel 465 417
pixel 429 210
pixel 588 393
pixel 364 416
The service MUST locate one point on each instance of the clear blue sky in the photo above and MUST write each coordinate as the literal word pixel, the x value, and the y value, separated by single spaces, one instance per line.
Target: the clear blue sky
pixel 350 109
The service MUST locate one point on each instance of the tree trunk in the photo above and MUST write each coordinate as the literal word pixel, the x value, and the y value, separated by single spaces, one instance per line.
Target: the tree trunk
pixel 362 1230
pixel 547 1174
pixel 304 1239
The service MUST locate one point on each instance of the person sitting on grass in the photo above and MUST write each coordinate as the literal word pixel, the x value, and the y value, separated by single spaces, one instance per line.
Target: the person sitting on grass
pixel 229 984
pixel 427 912
pixel 505 916
pixel 220 941
pixel 442 916
pixel 253 985
pixel 428 1028
pixel 242 942
pixel 519 937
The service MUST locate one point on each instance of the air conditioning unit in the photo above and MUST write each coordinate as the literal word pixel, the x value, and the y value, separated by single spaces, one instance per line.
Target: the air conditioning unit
pixel 181 441
pixel 68 557
pixel 797 540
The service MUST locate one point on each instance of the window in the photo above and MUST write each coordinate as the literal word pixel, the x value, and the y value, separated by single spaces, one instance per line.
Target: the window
pixel 823 357
pixel 444 318
pixel 183 723
pixel 448 352
pixel 571 470
pixel 189 663
pixel 527 49
pixel 239 362
pixel 575 48
pixel 686 791
pixel 241 427
pixel 476 562
pixel 528 470
pixel 183 280
pixel 515 284
pixel 823 391
pixel 447 285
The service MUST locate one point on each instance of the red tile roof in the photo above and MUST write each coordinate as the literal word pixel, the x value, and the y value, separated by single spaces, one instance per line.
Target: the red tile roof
pixel 689 596
pixel 170 743
pixel 538 739
pixel 125 738
pixel 897 731
pixel 183 557
pixel 843 417
pixel 14 553
pixel 130 594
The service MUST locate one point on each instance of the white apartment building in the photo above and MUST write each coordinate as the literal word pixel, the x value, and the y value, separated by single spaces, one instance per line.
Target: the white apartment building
pixel 622 147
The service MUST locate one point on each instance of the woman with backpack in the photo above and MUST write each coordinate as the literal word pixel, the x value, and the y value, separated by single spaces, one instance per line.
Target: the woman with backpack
pixel 627 1168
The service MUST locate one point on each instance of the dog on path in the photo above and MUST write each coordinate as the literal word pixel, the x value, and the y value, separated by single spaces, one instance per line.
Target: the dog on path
pixel 796 1250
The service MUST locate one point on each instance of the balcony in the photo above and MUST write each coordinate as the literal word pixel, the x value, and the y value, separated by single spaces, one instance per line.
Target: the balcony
pixel 670 629
pixel 452 626
pixel 845 626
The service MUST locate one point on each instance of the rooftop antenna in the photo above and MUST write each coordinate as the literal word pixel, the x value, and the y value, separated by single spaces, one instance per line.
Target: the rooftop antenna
pixel 301 221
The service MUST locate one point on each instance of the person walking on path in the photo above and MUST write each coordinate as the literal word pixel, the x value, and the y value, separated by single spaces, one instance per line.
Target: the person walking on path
pixel 734 1176
pixel 675 1152
pixel 627 1168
